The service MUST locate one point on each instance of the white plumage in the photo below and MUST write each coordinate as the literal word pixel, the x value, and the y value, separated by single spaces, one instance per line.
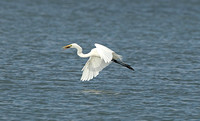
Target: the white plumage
pixel 100 57
pixel 92 68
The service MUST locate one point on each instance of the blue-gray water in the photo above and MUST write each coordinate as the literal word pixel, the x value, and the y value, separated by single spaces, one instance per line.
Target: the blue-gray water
pixel 41 81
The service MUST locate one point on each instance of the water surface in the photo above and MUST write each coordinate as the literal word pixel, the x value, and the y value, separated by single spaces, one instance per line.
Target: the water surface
pixel 41 81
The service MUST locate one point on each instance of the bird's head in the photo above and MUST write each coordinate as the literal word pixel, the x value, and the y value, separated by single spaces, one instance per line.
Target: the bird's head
pixel 70 46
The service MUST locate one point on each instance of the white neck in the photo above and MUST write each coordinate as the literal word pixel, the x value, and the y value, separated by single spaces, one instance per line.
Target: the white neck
pixel 79 52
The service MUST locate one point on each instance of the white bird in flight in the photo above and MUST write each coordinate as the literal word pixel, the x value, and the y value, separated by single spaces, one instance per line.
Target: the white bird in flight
pixel 100 57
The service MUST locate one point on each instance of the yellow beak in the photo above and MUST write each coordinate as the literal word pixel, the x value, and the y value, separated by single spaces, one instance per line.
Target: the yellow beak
pixel 66 47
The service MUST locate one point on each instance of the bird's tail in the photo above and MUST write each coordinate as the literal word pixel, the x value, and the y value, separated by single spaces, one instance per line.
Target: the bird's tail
pixel 123 64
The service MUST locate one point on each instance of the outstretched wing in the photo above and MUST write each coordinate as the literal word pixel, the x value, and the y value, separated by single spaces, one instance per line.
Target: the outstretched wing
pixel 105 53
pixel 92 68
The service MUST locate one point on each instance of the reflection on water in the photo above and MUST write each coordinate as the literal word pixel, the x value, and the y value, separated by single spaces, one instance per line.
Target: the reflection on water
pixel 99 92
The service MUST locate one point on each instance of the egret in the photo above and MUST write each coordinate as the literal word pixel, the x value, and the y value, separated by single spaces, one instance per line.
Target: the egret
pixel 99 58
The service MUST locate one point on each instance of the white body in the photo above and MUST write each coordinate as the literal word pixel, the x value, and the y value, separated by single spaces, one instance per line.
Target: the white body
pixel 100 57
